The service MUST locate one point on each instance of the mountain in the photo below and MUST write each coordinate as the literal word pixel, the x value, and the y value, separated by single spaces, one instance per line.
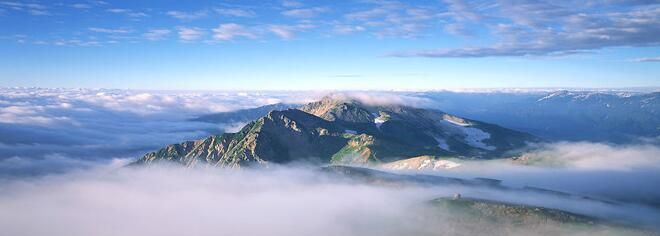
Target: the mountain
pixel 598 116
pixel 345 131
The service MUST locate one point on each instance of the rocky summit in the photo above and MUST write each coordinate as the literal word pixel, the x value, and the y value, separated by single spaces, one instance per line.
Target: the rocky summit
pixel 346 131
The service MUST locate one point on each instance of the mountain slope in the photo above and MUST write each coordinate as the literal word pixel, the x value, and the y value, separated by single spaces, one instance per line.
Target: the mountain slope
pixel 346 132
pixel 413 126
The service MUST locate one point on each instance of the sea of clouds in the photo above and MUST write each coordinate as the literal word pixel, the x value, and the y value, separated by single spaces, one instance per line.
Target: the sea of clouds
pixel 63 151
pixel 54 129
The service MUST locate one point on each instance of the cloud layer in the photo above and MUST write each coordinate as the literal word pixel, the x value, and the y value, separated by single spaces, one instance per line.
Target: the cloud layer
pixel 282 201
pixel 75 127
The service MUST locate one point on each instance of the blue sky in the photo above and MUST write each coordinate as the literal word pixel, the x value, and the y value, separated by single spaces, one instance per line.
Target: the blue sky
pixel 353 44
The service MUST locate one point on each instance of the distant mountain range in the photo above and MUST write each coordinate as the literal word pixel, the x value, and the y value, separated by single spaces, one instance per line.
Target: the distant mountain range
pixel 615 117
pixel 344 131
pixel 597 116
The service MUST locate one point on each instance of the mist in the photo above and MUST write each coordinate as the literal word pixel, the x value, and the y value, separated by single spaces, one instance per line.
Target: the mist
pixel 279 200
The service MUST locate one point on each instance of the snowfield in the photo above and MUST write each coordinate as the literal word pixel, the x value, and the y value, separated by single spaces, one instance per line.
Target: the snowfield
pixel 472 136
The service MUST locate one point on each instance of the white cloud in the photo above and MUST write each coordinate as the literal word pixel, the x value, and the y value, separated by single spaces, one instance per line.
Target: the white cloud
pixel 231 31
pixel 539 28
pixel 26 114
pixel 127 12
pixel 34 9
pixel 348 29
pixel 96 125
pixel 181 15
pixel 596 156
pixel 190 34
pixel 110 31
pixel 647 59
pixel 390 19
pixel 305 12
pixel 281 201
pixel 282 31
pixel 235 12
pixel 157 34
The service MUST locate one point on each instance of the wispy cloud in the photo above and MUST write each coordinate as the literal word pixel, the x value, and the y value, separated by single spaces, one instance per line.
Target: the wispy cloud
pixel 110 31
pixel 289 31
pixel 190 33
pixel 231 31
pixel 235 12
pixel 127 12
pixel 536 28
pixel 646 59
pixel 73 42
pixel 305 12
pixel 81 6
pixel 348 29
pixel 187 16
pixel 34 9
pixel 489 28
pixel 388 19
pixel 157 34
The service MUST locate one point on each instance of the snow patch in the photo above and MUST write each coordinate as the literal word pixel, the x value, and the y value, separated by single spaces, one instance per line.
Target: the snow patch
pixel 379 120
pixel 475 137
pixel 472 136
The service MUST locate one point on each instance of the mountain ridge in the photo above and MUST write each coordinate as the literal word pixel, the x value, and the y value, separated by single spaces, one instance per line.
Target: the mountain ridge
pixel 346 131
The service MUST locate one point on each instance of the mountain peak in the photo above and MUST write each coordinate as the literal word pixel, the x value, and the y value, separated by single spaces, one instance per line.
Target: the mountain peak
pixel 337 107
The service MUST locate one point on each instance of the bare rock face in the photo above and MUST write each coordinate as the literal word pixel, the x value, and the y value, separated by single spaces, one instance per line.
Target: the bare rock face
pixel 344 131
